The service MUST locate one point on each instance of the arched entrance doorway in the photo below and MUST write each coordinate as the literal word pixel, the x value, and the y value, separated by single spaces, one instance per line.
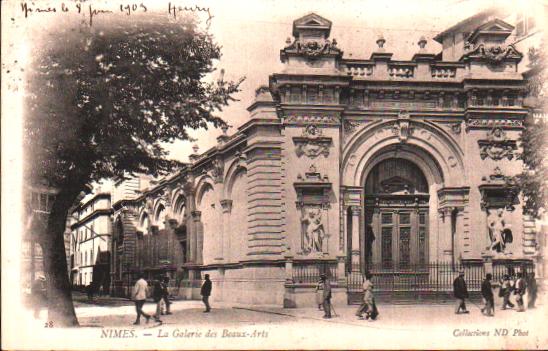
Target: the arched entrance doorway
pixel 396 216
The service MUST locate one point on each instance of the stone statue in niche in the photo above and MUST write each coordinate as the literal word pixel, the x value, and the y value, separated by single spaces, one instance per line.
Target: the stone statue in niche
pixel 499 232
pixel 313 231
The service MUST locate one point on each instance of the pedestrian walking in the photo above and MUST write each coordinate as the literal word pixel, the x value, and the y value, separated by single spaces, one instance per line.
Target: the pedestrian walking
pixel 165 294
pixel 139 295
pixel 519 291
pixel 506 288
pixel 157 296
pixel 367 305
pixel 531 291
pixel 319 294
pixel 205 291
pixel 326 298
pixel 460 292
pixel 487 293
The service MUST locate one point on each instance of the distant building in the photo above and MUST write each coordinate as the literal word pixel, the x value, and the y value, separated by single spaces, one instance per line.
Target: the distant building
pixel 398 167
pixel 90 242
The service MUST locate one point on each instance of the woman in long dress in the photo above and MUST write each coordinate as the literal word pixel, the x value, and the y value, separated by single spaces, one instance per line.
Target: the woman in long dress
pixel 368 305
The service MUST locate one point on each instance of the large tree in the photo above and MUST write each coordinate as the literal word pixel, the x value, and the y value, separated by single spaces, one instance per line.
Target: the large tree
pixel 102 102
pixel 534 139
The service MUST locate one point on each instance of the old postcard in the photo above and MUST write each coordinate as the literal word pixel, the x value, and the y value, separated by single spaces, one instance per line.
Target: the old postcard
pixel 274 174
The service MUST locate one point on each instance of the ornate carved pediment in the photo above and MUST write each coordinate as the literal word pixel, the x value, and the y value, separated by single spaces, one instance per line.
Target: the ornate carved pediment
pixel 313 48
pixel 493 55
pixel 310 35
pixel 497 146
pixel 312 143
pixel 313 188
pixel 402 127
pixel 498 191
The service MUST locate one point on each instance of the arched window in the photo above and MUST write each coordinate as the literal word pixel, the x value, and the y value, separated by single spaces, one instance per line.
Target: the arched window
pixel 179 210
pixel 160 217
pixel 144 224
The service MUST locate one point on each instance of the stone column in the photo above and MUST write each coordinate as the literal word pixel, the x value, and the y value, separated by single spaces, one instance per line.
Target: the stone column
pixel 356 214
pixel 226 206
pixel 197 237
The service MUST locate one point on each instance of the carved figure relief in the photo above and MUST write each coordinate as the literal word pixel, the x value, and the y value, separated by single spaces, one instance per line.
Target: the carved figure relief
pixel 497 146
pixel 500 233
pixel 313 231
pixel 312 143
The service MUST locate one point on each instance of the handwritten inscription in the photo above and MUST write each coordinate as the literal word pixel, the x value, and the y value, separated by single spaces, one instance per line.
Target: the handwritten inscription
pixel 128 9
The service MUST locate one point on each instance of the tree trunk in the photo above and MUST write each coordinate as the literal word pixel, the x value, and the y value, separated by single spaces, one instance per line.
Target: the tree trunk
pixel 60 307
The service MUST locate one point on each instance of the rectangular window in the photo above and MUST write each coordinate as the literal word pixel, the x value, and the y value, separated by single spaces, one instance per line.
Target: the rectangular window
pixel 405 237
pixel 386 218
pixel 405 218
pixel 386 247
pixel 422 218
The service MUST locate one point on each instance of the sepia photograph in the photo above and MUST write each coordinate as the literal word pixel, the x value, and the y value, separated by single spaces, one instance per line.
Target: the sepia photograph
pixel 270 174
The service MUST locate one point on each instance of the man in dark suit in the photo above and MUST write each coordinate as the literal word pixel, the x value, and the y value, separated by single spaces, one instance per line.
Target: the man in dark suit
pixel 206 292
pixel 461 293
pixel 326 296
pixel 487 293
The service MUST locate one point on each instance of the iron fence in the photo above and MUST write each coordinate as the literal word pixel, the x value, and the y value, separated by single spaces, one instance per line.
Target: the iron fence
pixel 432 277
pixel 308 272
pixel 501 268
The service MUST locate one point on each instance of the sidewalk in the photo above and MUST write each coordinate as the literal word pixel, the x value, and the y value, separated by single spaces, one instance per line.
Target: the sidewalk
pixel 396 317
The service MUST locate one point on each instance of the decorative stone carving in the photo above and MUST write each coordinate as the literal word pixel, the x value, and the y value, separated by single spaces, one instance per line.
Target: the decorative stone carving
pixel 312 119
pixel 313 231
pixel 352 126
pixel 490 123
pixel 500 233
pixel 497 146
pixel 402 127
pixel 314 48
pixel 312 143
pixel 493 55
pixel 498 191
pixel 456 128
pixel 226 205
pixel 217 169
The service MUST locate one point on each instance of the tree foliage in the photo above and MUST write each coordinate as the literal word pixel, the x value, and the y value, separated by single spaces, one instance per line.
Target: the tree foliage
pixel 534 139
pixel 101 102
pixel 104 99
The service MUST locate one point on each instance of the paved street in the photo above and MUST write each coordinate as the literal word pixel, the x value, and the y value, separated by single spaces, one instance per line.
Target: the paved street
pixel 121 312
pixel 238 327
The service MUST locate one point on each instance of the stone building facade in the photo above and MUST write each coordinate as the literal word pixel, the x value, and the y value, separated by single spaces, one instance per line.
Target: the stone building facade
pixel 344 165
pixel 90 242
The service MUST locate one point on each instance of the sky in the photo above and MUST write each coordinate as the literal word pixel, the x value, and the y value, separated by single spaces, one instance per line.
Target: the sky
pixel 252 33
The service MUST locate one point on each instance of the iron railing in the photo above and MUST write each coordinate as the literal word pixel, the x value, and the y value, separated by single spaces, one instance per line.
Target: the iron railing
pixel 308 272
pixel 434 277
